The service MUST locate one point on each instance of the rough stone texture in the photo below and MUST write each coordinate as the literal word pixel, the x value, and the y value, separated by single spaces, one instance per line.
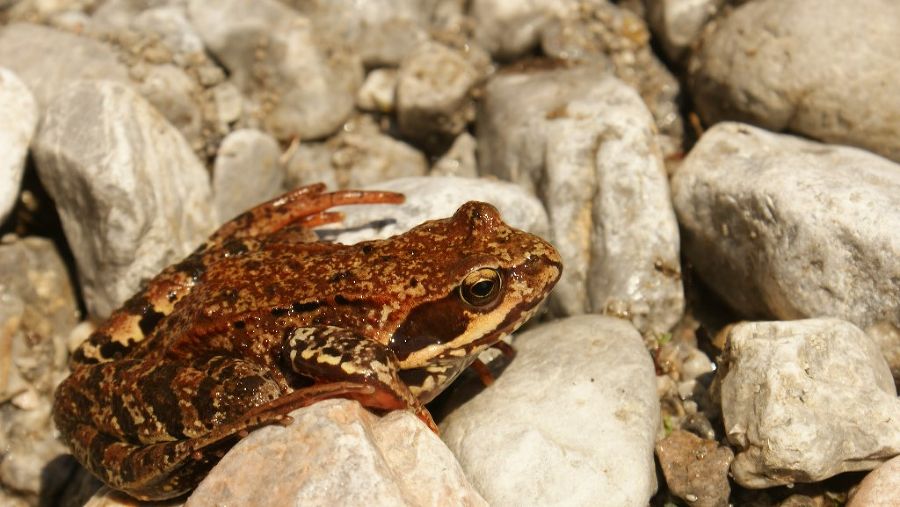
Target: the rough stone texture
pixel 571 421
pixel 18 118
pixel 175 95
pixel 805 400
pixel 302 83
pixel 247 172
pixel 337 453
pixel 604 34
pixel 678 23
pixel 37 312
pixel 888 339
pixel 439 197
pixel 459 160
pixel 433 99
pixel 131 194
pixel 824 68
pixel 48 60
pixel 356 157
pixel 382 32
pixel 696 470
pixel 880 487
pixel 586 143
pixel 779 226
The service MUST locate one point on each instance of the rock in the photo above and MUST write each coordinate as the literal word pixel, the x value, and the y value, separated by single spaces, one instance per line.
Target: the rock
pixel 354 158
pixel 588 142
pixel 174 94
pixel 880 487
pixel 888 339
pixel 37 311
pixel 171 25
pixel 604 34
pixel 303 84
pixel 337 453
pixel 377 92
pixel 806 400
pixel 784 65
pixel 382 32
pixel 459 160
pixel 433 94
pixel 131 195
pixel 696 470
pixel 48 60
pixel 678 23
pixel 247 172
pixel 787 228
pixel 572 419
pixel 439 197
pixel 510 28
pixel 18 118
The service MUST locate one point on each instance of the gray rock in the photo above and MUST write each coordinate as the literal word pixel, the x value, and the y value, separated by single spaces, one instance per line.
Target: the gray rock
pixel 589 143
pixel 247 172
pixel 37 312
pixel 429 198
pixel 678 23
pixel 48 60
pixel 174 94
pixel 605 34
pixel 18 118
pixel 433 93
pixel 303 84
pixel 696 469
pixel 880 487
pixel 784 65
pixel 171 25
pixel 131 194
pixel 337 453
pixel 888 339
pixel 382 32
pixel 571 421
pixel 510 28
pixel 805 400
pixel 784 227
pixel 459 160
pixel 356 157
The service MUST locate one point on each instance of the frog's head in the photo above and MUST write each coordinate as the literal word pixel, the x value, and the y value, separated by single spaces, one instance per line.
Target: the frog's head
pixel 481 280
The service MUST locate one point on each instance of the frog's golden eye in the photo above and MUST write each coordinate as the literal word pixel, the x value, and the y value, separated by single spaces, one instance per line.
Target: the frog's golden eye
pixel 480 287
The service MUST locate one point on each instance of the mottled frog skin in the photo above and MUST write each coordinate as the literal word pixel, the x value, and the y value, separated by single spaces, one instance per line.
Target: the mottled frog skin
pixel 262 319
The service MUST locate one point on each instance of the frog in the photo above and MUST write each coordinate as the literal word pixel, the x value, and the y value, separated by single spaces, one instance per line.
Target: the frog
pixel 263 319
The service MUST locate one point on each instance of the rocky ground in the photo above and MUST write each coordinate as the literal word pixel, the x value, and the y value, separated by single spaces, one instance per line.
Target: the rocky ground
pixel 721 177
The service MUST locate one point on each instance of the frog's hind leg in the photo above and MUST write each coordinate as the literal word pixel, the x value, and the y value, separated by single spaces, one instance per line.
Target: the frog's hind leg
pixel 306 205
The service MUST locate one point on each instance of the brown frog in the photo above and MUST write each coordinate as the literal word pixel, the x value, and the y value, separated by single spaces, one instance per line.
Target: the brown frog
pixel 262 319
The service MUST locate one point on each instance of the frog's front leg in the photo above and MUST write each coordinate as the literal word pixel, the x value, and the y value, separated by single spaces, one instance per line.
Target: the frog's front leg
pixel 329 354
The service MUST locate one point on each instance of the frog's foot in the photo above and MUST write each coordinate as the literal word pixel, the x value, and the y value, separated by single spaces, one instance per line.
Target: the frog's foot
pixel 306 205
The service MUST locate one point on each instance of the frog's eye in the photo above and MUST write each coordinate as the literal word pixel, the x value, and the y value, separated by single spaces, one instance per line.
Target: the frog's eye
pixel 480 287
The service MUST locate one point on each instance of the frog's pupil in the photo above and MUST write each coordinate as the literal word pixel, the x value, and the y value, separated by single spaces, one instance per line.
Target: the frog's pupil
pixel 482 288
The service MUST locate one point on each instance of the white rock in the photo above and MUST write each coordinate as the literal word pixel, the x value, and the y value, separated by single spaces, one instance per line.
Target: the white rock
pixel 805 400
pixel 247 172
pixel 48 60
pixel 382 32
pixel 377 92
pixel 18 118
pixel 589 142
pixel 785 227
pixel 823 68
pixel 571 421
pixel 354 158
pixel 175 32
pixel 132 196
pixel 887 336
pixel 429 198
pixel 880 488
pixel 459 160
pixel 433 99
pixel 302 83
pixel 678 23
pixel 337 453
